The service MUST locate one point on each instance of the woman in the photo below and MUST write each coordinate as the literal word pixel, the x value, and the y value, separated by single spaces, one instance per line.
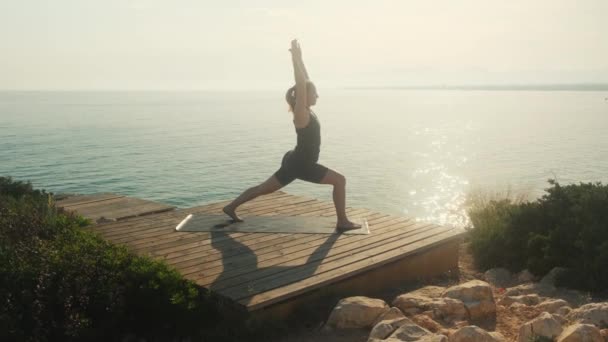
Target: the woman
pixel 301 162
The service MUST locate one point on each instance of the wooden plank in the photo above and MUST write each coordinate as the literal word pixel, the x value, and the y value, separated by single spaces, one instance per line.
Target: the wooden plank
pixel 170 217
pixel 318 280
pixel 119 205
pixel 339 249
pixel 179 257
pixel 265 248
pixel 83 199
pixel 184 248
pixel 163 235
pixel 298 273
pixel 265 267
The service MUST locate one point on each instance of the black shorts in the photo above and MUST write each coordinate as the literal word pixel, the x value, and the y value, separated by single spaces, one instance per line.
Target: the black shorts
pixel 293 167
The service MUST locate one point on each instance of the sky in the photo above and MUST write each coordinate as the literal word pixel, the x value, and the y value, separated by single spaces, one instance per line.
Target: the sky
pixel 197 45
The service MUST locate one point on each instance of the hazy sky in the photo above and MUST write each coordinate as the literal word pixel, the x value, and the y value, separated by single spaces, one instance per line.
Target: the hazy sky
pixel 179 44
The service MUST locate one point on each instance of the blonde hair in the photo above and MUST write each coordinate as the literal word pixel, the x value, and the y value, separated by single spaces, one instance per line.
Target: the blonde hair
pixel 290 95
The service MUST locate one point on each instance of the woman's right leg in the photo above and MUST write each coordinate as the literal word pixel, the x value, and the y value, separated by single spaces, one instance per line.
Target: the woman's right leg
pixel 272 184
pixel 339 196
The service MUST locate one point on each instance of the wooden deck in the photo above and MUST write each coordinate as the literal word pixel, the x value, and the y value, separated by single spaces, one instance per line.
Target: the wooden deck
pixel 259 270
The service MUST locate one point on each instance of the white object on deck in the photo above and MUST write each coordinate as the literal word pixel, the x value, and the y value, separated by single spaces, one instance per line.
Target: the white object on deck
pixel 184 221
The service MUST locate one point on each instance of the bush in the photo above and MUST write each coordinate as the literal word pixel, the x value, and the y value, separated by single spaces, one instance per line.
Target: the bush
pixel 60 282
pixel 566 227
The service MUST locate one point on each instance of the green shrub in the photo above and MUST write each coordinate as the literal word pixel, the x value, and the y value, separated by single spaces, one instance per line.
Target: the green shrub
pixel 60 282
pixel 566 227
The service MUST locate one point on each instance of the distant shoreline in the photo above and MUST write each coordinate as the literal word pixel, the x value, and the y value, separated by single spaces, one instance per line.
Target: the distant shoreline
pixel 516 87
pixel 464 87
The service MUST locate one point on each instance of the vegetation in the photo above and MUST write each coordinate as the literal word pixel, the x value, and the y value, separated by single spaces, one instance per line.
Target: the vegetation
pixel 59 281
pixel 566 227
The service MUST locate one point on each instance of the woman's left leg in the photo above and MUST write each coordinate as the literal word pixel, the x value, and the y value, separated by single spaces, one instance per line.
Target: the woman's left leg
pixel 272 184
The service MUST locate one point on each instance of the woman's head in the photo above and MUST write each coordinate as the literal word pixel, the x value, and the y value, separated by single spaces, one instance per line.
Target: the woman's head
pixel 311 95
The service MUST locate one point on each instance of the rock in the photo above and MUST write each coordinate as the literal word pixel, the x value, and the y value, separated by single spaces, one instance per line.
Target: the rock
pixel 593 313
pixel 429 338
pixel 442 308
pixel 430 291
pixel 415 302
pixel 410 331
pixel 499 277
pixel 527 299
pixel 412 304
pixel 544 290
pixel 448 309
pixel 385 328
pixel 581 333
pixel 497 336
pixel 561 319
pixel 604 333
pixel 477 297
pixel 552 305
pixel 391 314
pixel 515 306
pixel 434 338
pixel 574 297
pixel 551 277
pixel 544 325
pixel 356 312
pixel 525 277
pixel 564 311
pixel 427 323
pixel 473 333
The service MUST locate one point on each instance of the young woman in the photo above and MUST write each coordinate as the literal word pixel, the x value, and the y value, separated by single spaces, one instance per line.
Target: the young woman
pixel 301 162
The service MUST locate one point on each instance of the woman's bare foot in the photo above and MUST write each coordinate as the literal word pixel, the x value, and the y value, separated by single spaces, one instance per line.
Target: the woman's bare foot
pixel 347 225
pixel 230 212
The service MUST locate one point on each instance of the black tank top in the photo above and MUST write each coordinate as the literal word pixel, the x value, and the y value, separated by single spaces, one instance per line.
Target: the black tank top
pixel 309 140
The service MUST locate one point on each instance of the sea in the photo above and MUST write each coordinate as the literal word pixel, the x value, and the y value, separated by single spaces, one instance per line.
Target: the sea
pixel 411 152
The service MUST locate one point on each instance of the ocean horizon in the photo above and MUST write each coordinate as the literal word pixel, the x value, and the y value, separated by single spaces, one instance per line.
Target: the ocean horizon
pixel 412 152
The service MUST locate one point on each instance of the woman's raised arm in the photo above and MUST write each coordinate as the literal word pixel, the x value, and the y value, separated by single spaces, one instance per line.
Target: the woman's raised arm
pixel 301 114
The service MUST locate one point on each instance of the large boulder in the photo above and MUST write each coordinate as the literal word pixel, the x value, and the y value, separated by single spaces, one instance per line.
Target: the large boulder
pixel 544 325
pixel 581 333
pixel 593 313
pixel 356 312
pixel 477 297
pixel 474 333
pixel 499 277
pixel 552 305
